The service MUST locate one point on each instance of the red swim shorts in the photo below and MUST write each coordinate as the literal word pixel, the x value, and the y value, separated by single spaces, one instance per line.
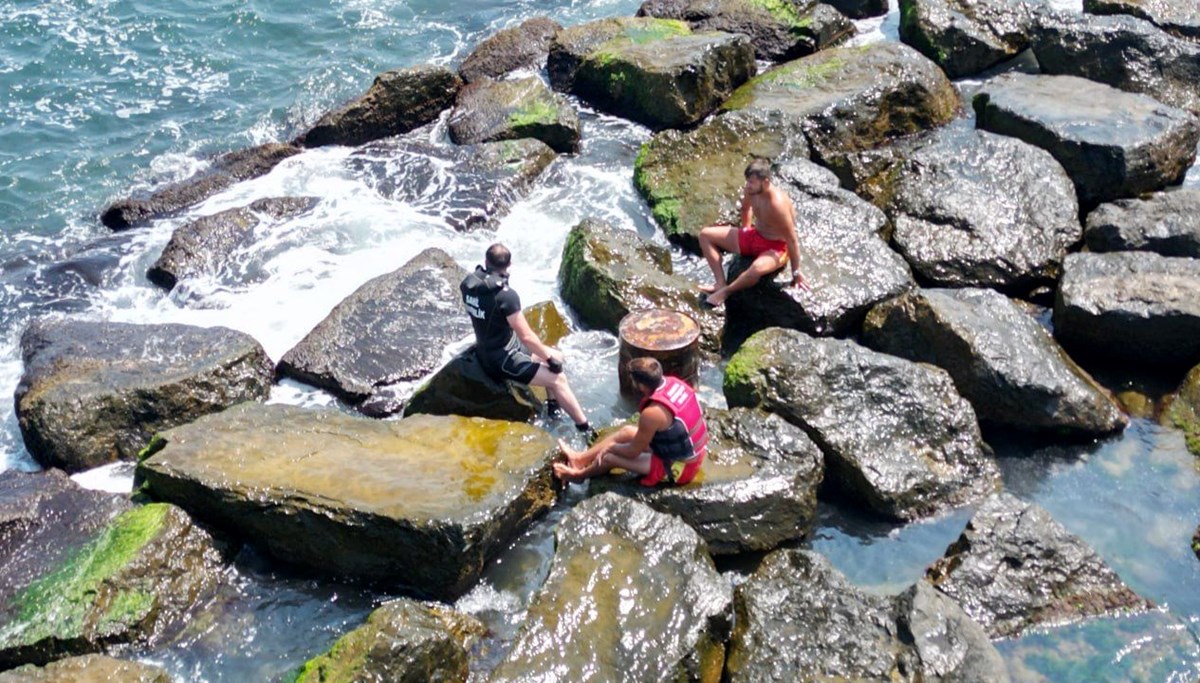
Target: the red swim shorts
pixel 685 470
pixel 751 244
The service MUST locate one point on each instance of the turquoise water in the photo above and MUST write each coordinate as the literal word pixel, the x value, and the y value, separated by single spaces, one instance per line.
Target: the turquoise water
pixel 101 99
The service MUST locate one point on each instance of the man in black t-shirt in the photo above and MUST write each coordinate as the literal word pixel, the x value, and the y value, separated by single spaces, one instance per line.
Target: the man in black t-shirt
pixel 507 348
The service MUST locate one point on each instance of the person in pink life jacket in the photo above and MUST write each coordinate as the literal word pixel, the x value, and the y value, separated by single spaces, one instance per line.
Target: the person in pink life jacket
pixel 669 441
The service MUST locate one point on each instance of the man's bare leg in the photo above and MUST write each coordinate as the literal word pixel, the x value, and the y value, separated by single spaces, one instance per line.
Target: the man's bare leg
pixel 601 465
pixel 579 459
pixel 764 264
pixel 713 240
pixel 556 385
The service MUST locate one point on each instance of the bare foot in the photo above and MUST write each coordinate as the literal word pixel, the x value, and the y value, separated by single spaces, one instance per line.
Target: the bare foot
pixel 718 297
pixel 709 289
pixel 566 472
pixel 571 454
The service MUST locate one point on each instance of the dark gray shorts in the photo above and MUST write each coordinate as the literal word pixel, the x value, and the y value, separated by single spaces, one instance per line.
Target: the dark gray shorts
pixel 512 362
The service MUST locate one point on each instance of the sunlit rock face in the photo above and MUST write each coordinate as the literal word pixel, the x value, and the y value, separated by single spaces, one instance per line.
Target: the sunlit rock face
pixel 897 437
pixel 1002 360
pixel 632 596
pixel 87 669
pixel 95 392
pixel 1014 567
pixel 1167 223
pixel 421 502
pixel 521 47
pixel 799 619
pixel 965 38
pixel 488 111
pixel 1134 306
pixel 1178 18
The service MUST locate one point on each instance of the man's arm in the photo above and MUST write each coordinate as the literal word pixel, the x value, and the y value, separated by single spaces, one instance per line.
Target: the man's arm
pixel 787 214
pixel 745 211
pixel 529 338
pixel 653 419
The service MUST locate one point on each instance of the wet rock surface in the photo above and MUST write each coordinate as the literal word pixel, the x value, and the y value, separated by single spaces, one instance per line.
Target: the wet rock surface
pixel 1183 410
pixel 462 387
pixel 975 209
pixel 1002 361
pixel 966 37
pixel 1180 19
pixel 1120 51
pixel 521 47
pixel 1166 223
pixel 632 595
pixel 397 101
pixel 606 272
pixel 85 571
pixel 778 31
pixel 656 72
pixel 799 619
pixel 488 111
pixel 860 9
pixel 1134 306
pixel 1113 144
pixel 694 179
pixel 848 266
pixel 227 169
pixel 393 328
pixel 421 502
pixel 95 392
pixel 1015 567
pixel 87 669
pixel 207 245
pixel 756 489
pixel 897 437
pixel 852 98
pixel 488 177
pixel 403 641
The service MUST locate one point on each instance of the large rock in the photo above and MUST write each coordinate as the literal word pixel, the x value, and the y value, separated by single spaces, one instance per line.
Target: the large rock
pixel 694 179
pixel 1002 361
pixel 852 98
pixel 488 177
pixel 756 490
pixel 606 272
pixel 1121 51
pixel 403 641
pixel 96 392
pixel 653 71
pixel 462 387
pixel 520 47
pixel 897 437
pixel 1178 18
pixel 778 30
pixel 1183 410
pixel 84 571
pixel 87 669
pixel 229 168
pixel 965 37
pixel 488 111
pixel 1134 306
pixel 1167 223
pixel 421 502
pixel 632 595
pixel 975 209
pixel 1014 567
pixel 1113 144
pixel 206 245
pixel 848 266
pixel 798 619
pixel 397 102
pixel 393 328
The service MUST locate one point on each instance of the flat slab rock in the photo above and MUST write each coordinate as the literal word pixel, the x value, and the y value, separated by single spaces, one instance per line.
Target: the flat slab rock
pixel 95 392
pixel 965 37
pixel 87 669
pixel 975 209
pixel 1136 306
pixel 1178 18
pixel 1014 567
pixel 1166 223
pixel 393 328
pixel 756 490
pixel 620 569
pixel 1002 360
pixel 421 502
pixel 1113 144
pixel 897 437
pixel 799 619
pixel 489 177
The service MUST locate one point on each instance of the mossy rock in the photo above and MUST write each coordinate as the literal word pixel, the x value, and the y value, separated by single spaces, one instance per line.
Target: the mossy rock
pixel 1184 410
pixel 778 29
pixel 519 47
pixel 488 111
pixel 965 38
pixel 87 669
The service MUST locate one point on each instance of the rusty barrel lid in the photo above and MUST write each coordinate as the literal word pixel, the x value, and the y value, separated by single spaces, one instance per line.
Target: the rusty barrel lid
pixel 659 329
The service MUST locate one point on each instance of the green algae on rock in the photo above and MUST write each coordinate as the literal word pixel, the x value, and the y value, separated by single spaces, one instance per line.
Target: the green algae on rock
pixel 488 111
pixel 1184 410
pixel 778 29
pixel 421 502
pixel 87 669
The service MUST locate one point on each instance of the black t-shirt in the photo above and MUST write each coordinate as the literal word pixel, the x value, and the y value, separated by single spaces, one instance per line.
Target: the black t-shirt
pixel 489 302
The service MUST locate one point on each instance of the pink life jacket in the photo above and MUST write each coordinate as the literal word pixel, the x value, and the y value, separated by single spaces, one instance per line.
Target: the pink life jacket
pixel 687 437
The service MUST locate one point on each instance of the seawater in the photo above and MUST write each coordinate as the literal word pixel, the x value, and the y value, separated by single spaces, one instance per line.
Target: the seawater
pixel 101 99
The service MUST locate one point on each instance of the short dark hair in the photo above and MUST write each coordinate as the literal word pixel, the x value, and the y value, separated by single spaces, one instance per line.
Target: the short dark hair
pixel 759 168
pixel 497 257
pixel 646 371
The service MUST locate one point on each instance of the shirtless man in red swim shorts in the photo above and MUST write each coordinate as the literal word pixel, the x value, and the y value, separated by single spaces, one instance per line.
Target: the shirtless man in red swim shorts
pixel 770 240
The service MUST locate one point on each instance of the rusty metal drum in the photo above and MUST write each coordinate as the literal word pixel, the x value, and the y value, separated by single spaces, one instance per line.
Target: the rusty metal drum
pixel 670 336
